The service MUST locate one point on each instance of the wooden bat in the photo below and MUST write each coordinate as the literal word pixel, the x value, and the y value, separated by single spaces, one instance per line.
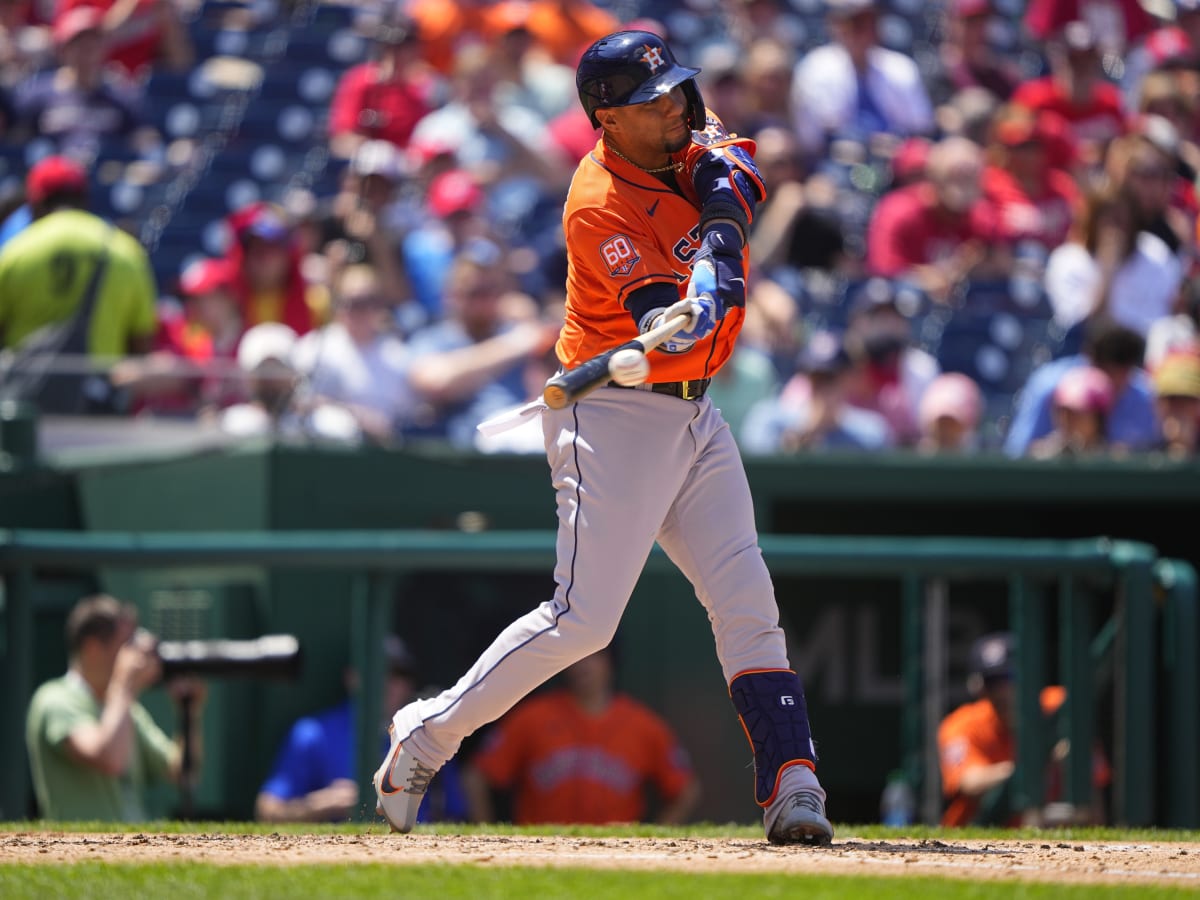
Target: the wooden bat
pixel 568 387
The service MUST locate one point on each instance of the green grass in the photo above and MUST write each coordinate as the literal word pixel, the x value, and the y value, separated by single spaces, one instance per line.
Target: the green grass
pixel 184 881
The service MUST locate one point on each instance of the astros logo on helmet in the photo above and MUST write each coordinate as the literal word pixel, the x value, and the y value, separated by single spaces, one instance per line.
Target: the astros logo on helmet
pixel 652 57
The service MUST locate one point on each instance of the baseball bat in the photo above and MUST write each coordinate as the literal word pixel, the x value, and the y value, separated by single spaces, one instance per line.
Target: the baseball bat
pixel 577 383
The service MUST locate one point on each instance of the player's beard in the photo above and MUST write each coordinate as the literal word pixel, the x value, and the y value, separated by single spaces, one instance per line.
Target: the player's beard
pixel 674 145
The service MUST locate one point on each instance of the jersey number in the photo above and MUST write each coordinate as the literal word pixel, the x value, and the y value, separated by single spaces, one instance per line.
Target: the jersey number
pixel 64 269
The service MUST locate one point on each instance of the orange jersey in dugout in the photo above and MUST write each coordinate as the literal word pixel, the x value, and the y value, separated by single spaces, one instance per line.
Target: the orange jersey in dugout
pixel 626 229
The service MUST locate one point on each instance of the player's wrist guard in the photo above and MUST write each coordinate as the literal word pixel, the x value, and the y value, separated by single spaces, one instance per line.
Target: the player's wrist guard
pixel 721 249
pixel 728 185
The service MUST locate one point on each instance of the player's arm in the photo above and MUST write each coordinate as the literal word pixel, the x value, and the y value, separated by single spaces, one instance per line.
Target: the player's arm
pixel 727 188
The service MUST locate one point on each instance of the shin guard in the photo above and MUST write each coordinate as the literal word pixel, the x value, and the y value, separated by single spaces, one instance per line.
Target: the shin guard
pixel 771 706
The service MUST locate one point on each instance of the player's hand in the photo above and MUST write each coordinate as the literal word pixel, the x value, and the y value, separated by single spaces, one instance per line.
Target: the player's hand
pixel 704 311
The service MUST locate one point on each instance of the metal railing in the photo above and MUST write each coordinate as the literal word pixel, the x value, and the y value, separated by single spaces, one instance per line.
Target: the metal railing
pixel 1140 582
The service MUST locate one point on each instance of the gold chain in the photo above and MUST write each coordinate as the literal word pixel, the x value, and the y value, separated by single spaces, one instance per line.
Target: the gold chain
pixel 670 167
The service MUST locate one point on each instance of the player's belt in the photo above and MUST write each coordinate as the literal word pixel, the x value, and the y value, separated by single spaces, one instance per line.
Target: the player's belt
pixel 685 390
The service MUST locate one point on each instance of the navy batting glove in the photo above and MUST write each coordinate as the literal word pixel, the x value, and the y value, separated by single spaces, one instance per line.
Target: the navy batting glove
pixel 721 252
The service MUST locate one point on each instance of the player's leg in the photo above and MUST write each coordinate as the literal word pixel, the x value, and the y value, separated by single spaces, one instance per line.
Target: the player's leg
pixel 615 472
pixel 710 534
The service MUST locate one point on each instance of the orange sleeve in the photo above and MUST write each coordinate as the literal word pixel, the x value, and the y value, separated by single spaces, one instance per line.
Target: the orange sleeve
pixel 959 749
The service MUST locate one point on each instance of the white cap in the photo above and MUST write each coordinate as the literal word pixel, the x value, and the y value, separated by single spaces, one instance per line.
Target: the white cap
pixel 268 340
pixel 379 157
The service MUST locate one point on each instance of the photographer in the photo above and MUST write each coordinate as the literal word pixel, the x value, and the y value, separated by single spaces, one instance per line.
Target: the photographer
pixel 93 748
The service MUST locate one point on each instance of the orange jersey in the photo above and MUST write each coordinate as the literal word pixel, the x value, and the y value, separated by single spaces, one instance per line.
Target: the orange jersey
pixel 625 230
pixel 565 765
pixel 973 735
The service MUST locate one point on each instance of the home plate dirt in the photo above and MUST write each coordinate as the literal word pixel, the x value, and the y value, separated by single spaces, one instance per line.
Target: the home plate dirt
pixel 1032 860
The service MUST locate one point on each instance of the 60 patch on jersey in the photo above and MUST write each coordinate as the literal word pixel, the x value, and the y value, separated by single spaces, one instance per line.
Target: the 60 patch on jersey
pixel 619 255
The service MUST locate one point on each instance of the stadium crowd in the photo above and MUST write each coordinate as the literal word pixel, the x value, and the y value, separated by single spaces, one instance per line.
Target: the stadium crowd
pixel 980 236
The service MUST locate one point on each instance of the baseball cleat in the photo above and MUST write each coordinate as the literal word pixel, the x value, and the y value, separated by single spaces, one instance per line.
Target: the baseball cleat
pixel 400 786
pixel 802 821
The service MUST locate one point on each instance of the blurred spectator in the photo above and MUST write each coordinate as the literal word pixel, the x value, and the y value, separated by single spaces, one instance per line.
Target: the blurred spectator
pixel 191 371
pixel 46 269
pixel 1170 50
pixel 797 225
pixel 1145 166
pixel 766 67
pixel 470 365
pixel 447 26
pixel 891 374
pixel 812 411
pixel 854 88
pixel 1080 406
pixel 939 232
pixel 278 407
pixel 313 776
pixel 357 361
pixel 583 754
pixel 562 28
pixel 525 74
pixel 1110 268
pixel 723 85
pixel 268 276
pixel 747 376
pixel 1034 201
pixel 1078 90
pixel 384 97
pixel 968 113
pixel 1163 95
pixel 93 748
pixel 362 223
pixel 455 219
pixel 1177 400
pixel 1119 23
pixel 81 103
pixel 1115 350
pixel 950 415
pixel 966 55
pixel 748 21
pixel 977 747
pixel 25 42
pixel 1179 331
pixel 492 136
pixel 141 35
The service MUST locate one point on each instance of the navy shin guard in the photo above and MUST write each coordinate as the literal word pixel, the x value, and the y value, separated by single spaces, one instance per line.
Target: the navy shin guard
pixel 774 715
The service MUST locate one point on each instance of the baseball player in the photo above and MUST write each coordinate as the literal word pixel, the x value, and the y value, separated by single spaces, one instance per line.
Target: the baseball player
pixel 655 224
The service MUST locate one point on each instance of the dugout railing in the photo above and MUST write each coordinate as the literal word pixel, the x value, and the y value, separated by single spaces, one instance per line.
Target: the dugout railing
pixel 1152 722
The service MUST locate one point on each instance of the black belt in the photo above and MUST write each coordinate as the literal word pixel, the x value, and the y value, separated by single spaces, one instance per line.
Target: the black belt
pixel 684 390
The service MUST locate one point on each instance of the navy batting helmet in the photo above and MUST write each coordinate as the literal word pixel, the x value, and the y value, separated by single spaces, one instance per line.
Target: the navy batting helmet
pixel 631 67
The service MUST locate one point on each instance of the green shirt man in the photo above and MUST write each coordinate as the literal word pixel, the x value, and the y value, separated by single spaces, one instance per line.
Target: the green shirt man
pixel 93 748
pixel 66 790
pixel 45 269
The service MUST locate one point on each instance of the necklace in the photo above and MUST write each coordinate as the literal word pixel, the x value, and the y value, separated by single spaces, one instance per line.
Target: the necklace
pixel 669 167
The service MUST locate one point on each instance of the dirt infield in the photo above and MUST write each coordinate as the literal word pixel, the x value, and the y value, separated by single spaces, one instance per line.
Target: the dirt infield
pixel 1065 862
